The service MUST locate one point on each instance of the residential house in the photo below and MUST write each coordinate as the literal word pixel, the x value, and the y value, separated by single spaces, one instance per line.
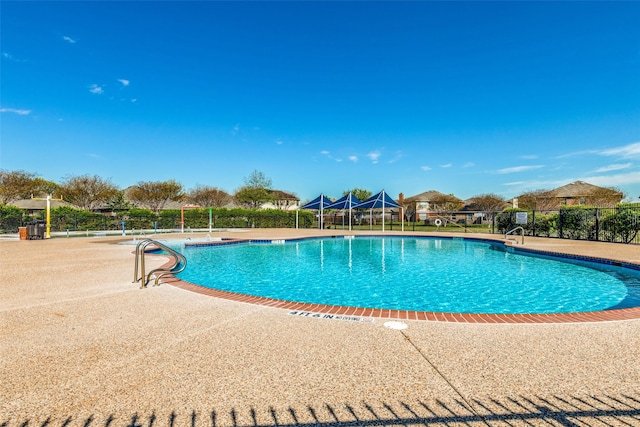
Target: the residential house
pixel 282 200
pixel 433 204
pixel 573 194
pixel 35 206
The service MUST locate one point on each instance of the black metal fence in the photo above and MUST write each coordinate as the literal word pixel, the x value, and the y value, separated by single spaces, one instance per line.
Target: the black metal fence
pixel 74 220
pixel 620 224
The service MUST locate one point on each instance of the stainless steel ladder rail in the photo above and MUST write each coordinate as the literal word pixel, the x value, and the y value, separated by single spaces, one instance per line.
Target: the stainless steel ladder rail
pixel 179 265
pixel 515 229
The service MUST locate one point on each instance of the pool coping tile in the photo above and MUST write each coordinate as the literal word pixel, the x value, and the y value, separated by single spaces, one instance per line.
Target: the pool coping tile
pixel 367 312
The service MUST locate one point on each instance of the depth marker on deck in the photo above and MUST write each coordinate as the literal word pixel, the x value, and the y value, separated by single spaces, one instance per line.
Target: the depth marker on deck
pixel 331 316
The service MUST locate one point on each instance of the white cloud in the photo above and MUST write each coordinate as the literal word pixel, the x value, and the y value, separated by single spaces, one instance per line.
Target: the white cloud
pixel 614 180
pixel 134 100
pixel 623 179
pixel 279 141
pixel 94 88
pixel 68 39
pixel 539 184
pixel 516 169
pixel 354 159
pixel 536 184
pixel 468 165
pixel 615 167
pixel 235 129
pixel 93 155
pixel 9 57
pixel 374 156
pixel 399 155
pixel 328 155
pixel 425 168
pixel 124 82
pixel 448 165
pixel 15 111
pixel 529 156
pixel 576 153
pixel 630 151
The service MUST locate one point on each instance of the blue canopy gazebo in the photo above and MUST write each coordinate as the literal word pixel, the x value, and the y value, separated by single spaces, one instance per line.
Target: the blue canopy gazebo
pixel 318 204
pixel 380 201
pixel 348 201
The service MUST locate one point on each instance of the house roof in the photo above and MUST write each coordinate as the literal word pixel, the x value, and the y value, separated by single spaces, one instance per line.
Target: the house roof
pixel 281 195
pixel 424 197
pixel 39 204
pixel 575 189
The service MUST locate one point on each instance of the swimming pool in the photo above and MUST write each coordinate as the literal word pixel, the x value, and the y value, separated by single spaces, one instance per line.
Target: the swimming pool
pixel 412 273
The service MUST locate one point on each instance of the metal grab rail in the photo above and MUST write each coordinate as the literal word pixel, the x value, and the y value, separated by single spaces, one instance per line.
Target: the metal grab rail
pixel 511 231
pixel 179 265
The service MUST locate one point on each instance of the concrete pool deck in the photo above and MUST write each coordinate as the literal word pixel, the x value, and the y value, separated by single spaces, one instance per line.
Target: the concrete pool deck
pixel 81 345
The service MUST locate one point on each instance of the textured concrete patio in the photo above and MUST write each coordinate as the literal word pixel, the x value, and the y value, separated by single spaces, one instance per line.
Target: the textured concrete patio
pixel 81 345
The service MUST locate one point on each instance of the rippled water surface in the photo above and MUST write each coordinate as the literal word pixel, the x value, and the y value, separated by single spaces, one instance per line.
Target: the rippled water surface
pixel 407 273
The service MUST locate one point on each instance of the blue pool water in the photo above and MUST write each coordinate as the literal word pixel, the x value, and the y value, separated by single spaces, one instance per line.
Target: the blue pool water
pixel 408 273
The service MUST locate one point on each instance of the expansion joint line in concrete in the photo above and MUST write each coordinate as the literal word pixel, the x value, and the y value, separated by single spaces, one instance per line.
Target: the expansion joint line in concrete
pixel 435 368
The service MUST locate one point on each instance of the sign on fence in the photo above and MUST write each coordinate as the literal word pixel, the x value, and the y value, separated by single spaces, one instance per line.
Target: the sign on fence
pixel 521 217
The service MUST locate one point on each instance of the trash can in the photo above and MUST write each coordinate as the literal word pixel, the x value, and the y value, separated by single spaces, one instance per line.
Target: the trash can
pixel 23 233
pixel 35 230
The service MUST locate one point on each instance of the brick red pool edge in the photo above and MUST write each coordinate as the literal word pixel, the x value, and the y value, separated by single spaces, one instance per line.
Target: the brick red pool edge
pixel 592 316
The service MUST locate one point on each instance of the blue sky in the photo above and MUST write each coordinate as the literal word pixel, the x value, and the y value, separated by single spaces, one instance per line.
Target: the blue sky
pixel 462 98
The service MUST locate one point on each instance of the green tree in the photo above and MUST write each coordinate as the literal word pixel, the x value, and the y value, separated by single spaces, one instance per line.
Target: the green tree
pixel 208 197
pixel 119 203
pixel 622 225
pixel 88 192
pixel 360 193
pixel 577 222
pixel 506 220
pixel 540 200
pixel 604 196
pixel 257 179
pixel 10 218
pixel 16 185
pixel 445 204
pixel 155 195
pixel 255 191
pixel 488 204
pixel 42 187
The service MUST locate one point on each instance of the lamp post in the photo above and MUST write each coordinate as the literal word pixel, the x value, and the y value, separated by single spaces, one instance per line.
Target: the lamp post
pixel 48 199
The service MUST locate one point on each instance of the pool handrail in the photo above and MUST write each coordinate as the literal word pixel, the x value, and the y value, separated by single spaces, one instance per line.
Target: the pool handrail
pixel 179 265
pixel 515 229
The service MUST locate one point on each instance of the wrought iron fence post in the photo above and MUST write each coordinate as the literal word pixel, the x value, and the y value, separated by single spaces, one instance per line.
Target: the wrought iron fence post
pixel 533 222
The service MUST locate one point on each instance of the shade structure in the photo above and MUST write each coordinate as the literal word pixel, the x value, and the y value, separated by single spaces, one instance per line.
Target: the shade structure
pixel 345 202
pixel 348 201
pixel 380 201
pixel 318 204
